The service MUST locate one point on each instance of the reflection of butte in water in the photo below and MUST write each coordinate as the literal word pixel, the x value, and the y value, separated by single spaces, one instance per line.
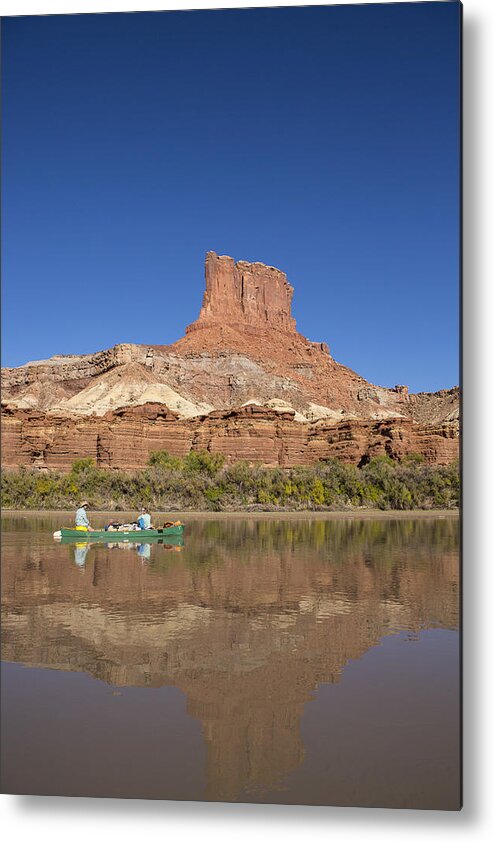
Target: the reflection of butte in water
pixel 248 644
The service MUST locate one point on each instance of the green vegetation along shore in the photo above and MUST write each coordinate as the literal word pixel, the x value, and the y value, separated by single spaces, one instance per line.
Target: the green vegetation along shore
pixel 203 482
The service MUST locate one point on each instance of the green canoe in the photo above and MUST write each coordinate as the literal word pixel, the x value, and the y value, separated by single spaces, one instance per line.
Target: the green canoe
pixel 140 535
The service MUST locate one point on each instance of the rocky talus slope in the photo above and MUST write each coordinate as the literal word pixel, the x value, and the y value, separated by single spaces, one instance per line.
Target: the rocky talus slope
pixel 242 381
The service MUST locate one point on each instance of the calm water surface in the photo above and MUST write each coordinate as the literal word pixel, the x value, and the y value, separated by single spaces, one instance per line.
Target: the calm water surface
pixel 286 661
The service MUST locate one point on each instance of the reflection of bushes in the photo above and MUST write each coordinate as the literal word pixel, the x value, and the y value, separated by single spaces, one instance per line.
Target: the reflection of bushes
pixel 202 481
pixel 384 543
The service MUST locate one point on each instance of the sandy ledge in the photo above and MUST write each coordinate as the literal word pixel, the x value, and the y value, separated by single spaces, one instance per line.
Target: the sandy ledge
pixel 367 514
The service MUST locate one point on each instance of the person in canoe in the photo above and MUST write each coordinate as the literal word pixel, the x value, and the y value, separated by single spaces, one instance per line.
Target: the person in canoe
pixel 81 518
pixel 144 521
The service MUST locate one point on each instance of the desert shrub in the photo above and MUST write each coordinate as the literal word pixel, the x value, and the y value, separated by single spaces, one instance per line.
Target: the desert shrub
pixel 414 459
pixel 213 496
pixel 203 462
pixel 81 466
pixel 162 459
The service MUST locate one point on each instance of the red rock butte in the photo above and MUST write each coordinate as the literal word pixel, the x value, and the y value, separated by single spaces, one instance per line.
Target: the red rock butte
pixel 245 294
pixel 242 382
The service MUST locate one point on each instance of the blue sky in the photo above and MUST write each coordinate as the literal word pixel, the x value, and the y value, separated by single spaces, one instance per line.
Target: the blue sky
pixel 321 140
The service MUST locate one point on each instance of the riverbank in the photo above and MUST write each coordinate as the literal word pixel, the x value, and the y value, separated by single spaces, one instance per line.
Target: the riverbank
pixel 203 482
pixel 364 514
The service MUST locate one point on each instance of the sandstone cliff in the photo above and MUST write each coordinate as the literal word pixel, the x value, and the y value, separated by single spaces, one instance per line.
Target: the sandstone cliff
pixel 243 351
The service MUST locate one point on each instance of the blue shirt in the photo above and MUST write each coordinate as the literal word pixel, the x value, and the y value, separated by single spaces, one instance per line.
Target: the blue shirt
pixel 81 518
pixel 144 522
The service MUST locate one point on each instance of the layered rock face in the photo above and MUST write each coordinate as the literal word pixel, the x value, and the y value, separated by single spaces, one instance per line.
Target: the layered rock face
pixel 126 438
pixel 242 381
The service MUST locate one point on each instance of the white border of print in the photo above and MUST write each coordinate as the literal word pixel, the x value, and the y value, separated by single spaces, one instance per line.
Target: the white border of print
pixel 77 819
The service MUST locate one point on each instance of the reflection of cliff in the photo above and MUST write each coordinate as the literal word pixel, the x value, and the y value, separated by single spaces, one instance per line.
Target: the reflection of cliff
pixel 247 621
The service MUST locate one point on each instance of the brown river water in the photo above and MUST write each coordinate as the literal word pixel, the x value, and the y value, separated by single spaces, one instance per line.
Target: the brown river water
pixel 275 660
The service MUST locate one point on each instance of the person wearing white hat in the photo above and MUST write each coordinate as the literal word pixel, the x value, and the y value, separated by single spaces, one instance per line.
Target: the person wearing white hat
pixel 81 518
